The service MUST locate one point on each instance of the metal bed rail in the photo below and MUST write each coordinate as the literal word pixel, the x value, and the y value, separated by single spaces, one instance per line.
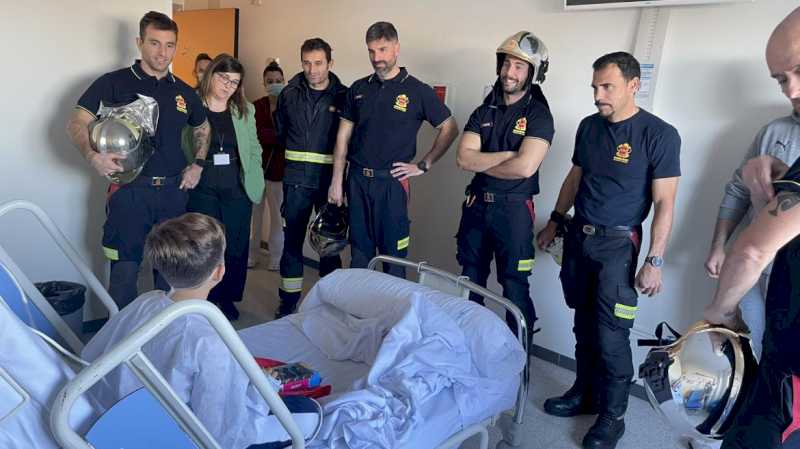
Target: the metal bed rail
pixel 129 352
pixel 30 290
pixel 424 269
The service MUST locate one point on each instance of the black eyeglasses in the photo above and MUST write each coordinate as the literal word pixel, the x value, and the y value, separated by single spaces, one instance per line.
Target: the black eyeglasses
pixel 227 81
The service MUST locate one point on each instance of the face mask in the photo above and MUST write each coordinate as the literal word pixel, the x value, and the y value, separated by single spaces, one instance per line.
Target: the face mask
pixel 274 89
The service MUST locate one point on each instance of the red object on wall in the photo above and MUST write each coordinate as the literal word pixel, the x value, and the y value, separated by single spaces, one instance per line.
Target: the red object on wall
pixel 441 92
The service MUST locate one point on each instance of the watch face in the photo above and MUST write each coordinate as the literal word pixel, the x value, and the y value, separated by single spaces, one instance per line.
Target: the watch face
pixel 656 261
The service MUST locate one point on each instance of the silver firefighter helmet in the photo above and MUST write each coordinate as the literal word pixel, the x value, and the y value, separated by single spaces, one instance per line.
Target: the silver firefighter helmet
pixel 126 130
pixel 699 381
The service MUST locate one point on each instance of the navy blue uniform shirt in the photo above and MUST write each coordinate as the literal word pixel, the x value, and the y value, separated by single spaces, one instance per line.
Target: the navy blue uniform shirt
pixel 387 115
pixel 619 162
pixel 783 292
pixel 178 106
pixel 503 128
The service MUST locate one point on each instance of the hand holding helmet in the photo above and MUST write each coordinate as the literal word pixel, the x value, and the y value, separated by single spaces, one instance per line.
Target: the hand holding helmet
pixel 106 164
pixel 327 233
pixel 698 381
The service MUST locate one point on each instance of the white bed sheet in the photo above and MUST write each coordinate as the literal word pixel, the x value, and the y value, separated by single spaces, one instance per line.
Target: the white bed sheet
pixel 281 340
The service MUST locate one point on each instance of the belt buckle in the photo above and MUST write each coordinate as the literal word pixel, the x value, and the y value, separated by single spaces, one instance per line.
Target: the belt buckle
pixel 589 229
pixel 368 172
pixel 157 181
pixel 488 197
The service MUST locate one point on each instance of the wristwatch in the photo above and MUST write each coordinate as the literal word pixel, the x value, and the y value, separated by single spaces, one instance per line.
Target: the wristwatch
pixel 201 162
pixel 557 218
pixel 655 261
pixel 423 165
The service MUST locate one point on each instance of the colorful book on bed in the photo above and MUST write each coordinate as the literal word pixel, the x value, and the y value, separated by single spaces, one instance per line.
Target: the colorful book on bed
pixel 296 379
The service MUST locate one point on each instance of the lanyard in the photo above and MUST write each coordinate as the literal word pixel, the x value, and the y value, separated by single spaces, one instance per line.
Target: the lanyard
pixel 221 138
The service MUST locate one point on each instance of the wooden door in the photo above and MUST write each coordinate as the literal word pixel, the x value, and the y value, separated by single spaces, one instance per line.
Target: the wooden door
pixel 211 31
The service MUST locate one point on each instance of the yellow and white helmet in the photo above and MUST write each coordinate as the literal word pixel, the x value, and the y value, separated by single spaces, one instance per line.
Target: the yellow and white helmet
pixel 524 45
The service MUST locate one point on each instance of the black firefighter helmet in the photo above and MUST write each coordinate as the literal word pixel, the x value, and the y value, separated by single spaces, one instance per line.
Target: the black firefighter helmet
pixel 327 233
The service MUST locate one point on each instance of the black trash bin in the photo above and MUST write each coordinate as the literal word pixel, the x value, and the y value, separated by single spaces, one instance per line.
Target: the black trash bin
pixel 67 298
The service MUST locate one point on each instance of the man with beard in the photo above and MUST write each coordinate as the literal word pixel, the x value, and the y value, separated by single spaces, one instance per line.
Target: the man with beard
pixel 306 122
pixel 378 137
pixel 504 142
pixel 625 159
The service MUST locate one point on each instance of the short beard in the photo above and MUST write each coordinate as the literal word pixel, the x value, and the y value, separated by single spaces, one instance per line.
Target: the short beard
pixel 386 70
pixel 517 89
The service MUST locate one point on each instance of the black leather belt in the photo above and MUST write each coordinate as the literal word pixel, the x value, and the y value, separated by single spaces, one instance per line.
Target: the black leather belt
pixel 156 181
pixel 606 231
pixel 489 197
pixel 371 172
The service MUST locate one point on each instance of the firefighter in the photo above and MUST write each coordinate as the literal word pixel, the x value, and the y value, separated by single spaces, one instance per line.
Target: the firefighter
pixel 306 122
pixel 504 143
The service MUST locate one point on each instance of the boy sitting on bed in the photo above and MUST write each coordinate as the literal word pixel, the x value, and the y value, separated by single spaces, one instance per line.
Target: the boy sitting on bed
pixel 189 252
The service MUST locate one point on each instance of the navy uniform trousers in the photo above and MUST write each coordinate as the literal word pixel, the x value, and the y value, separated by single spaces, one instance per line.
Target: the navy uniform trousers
pixel 597 275
pixel 501 228
pixel 378 211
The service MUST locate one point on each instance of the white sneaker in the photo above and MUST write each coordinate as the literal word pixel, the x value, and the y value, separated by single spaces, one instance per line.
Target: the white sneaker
pixel 252 262
pixel 274 265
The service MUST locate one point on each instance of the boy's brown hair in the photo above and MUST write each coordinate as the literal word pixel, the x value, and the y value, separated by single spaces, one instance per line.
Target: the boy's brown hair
pixel 186 249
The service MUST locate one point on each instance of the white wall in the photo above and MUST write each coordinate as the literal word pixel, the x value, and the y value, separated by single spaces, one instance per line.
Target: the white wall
pixel 713 87
pixel 53 50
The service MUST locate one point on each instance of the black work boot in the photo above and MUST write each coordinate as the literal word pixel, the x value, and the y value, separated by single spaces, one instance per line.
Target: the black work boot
pixel 610 425
pixel 285 308
pixel 576 401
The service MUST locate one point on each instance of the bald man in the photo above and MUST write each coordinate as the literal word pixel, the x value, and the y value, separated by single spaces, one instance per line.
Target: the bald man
pixel 765 419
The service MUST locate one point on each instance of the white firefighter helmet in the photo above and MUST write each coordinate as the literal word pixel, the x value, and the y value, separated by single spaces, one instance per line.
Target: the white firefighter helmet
pixel 526 46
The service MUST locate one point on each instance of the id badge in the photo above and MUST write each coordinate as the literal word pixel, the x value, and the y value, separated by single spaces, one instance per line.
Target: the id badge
pixel 222 159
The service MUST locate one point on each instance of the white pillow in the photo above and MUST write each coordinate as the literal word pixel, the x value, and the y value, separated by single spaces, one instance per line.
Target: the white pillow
pixel 366 293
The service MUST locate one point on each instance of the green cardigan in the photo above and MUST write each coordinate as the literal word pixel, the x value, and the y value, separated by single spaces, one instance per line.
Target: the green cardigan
pixel 249 152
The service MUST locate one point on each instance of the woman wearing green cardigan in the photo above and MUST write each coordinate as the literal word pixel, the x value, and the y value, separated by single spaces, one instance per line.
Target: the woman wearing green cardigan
pixel 232 179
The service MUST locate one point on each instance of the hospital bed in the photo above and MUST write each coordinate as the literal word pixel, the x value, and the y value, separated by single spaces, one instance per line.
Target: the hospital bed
pixel 440 426
pixel 71 414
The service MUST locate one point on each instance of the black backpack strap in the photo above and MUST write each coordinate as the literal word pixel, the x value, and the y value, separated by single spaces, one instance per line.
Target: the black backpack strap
pixel 661 339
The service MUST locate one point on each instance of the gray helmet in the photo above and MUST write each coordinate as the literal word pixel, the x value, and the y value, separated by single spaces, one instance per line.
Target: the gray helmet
pixel 698 389
pixel 126 130
pixel 327 234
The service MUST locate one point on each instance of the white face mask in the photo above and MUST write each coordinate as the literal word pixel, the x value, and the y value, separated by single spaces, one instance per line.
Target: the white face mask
pixel 274 89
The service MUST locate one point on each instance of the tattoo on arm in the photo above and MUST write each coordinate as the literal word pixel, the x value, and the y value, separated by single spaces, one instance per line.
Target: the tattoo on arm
pixel 201 140
pixel 784 202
